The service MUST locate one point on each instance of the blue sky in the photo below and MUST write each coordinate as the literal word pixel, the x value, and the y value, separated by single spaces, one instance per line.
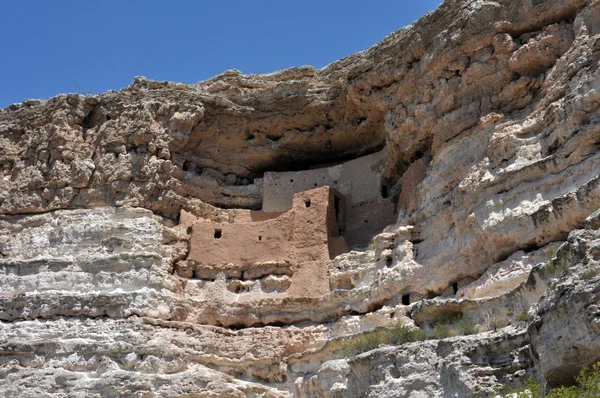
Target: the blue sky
pixel 51 47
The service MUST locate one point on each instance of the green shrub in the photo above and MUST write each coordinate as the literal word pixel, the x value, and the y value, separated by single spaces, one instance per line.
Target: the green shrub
pixel 495 323
pixel 522 316
pixel 588 381
pixel 394 335
pixel 588 386
pixel 365 342
pixel 400 334
pixel 465 326
pixel 460 325
pixel 589 274
pixel 566 392
pixel 441 330
pixel 558 264
pixel 531 390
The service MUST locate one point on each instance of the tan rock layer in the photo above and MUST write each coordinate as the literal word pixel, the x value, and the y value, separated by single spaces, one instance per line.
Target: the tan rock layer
pixel 490 115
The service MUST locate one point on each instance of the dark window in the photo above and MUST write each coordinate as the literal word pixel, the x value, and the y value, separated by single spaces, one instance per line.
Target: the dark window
pixel 406 299
pixel 388 261
pixel 455 287
pixel 336 206
pixel 259 237
pixel 307 202
pixel 384 191
pixel 187 165
pixel 218 234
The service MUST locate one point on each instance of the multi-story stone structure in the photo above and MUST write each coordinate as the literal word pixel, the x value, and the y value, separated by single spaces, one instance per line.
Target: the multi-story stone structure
pixel 272 252
pixel 360 181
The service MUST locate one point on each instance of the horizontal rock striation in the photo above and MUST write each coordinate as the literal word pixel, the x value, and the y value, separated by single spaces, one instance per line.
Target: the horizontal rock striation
pixel 489 115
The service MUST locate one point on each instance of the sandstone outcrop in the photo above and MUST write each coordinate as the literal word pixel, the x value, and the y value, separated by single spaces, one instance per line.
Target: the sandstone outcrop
pixel 487 115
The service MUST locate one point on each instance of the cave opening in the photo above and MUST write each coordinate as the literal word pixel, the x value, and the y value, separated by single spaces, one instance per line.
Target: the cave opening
pixel 406 299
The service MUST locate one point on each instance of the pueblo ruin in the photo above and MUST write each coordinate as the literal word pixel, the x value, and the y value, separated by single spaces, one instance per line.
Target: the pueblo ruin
pixel 307 219
pixel 418 219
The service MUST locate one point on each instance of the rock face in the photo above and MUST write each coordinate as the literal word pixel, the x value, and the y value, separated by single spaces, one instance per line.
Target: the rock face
pixel 489 116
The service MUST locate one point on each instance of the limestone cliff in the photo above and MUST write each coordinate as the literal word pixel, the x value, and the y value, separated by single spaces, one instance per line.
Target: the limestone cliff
pixel 488 114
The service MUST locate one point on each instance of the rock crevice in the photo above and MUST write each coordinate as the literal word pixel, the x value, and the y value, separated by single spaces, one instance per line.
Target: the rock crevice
pixel 484 119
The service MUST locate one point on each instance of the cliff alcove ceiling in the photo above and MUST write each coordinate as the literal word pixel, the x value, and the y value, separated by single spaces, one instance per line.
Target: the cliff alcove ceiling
pixel 464 147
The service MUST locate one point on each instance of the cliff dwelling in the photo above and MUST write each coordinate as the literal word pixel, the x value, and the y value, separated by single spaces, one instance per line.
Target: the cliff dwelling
pixel 243 236
pixel 271 252
pixel 308 218
pixel 368 206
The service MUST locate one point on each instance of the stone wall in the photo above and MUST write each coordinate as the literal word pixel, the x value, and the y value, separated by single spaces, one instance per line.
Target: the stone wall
pixel 368 209
pixel 261 252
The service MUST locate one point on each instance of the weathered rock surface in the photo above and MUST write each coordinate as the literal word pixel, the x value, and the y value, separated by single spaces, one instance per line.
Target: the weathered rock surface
pixel 489 112
pixel 454 367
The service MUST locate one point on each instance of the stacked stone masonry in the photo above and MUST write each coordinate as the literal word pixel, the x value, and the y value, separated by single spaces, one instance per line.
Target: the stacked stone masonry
pixel 265 252
pixel 369 208
pixel 111 208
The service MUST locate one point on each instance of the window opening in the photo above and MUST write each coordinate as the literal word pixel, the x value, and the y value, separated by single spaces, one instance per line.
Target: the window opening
pixel 384 191
pixel 406 299
pixel 336 206
pixel 218 234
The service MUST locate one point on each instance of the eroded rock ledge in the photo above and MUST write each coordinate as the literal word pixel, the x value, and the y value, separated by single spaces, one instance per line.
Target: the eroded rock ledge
pixel 487 115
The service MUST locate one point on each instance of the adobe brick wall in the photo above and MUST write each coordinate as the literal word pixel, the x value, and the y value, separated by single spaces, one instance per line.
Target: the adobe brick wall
pixel 358 180
pixel 242 243
pixel 259 249
pixel 367 219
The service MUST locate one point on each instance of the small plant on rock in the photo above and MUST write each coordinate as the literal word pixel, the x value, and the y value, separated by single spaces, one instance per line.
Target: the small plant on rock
pixel 441 330
pixel 400 334
pixel 364 342
pixel 394 335
pixel 523 316
pixel 495 323
pixel 460 325
pixel 531 390
pixel 558 264
pixel 589 274
pixel 465 326
pixel 588 385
